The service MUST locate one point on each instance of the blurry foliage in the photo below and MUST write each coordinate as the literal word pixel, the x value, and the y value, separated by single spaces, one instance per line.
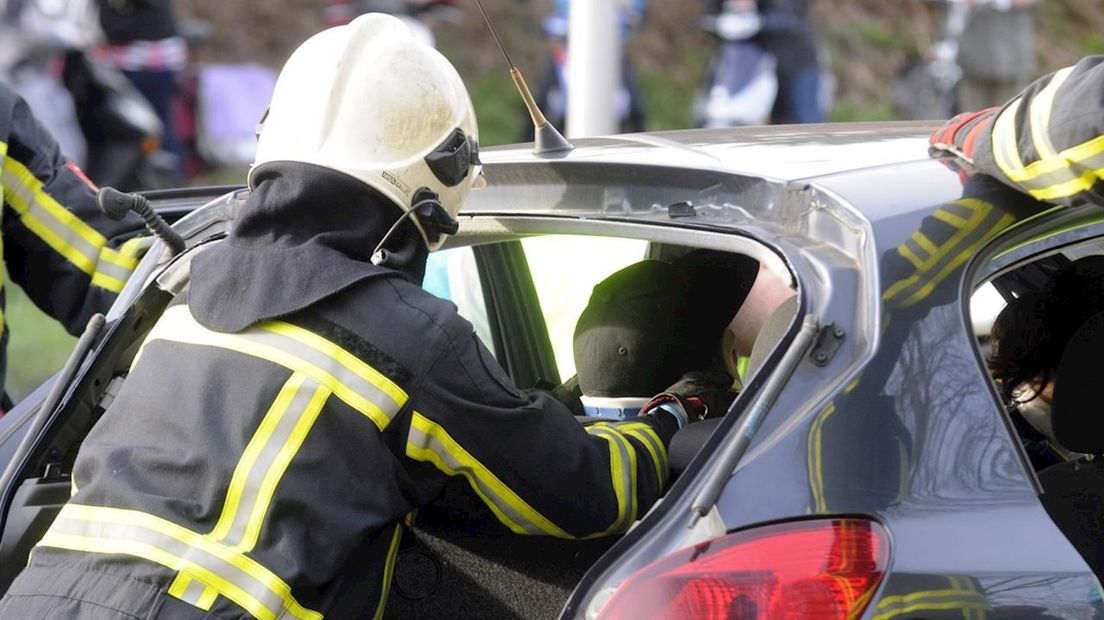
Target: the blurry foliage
pixel 38 345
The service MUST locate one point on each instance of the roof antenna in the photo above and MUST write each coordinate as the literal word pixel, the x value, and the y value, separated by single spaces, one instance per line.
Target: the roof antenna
pixel 546 139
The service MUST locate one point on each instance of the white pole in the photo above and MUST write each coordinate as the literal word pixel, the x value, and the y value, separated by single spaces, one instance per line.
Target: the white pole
pixel 593 68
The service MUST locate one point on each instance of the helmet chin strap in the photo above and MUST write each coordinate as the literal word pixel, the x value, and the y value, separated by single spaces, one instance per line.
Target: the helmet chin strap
pixel 435 221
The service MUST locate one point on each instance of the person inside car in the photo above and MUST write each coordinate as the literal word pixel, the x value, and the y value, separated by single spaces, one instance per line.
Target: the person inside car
pixel 68 257
pixel 642 331
pixel 1030 337
pixel 304 394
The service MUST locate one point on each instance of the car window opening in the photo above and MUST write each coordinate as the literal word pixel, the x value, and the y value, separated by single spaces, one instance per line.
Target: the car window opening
pixel 625 319
pixel 1040 339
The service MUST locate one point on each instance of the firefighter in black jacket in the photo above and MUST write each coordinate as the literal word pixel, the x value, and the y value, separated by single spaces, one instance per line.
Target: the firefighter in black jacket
pixel 57 245
pixel 1048 141
pixel 305 394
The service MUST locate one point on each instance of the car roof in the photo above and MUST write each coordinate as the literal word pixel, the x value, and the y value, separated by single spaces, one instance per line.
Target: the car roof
pixel 771 157
pixel 781 152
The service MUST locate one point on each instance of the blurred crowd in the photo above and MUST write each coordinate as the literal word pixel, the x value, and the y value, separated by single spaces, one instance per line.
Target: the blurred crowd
pixel 112 78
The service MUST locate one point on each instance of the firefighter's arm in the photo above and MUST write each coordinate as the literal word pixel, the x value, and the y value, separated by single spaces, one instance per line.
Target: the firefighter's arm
pixel 528 458
pixel 1048 141
pixel 69 258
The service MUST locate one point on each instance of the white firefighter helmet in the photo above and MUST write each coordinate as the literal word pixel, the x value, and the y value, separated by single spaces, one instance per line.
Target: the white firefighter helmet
pixel 370 100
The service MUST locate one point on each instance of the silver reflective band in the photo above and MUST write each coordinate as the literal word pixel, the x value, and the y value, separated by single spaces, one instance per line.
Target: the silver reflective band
pixel 94 529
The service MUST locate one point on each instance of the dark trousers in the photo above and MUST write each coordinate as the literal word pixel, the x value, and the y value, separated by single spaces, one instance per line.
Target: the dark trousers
pixel 54 593
pixel 159 88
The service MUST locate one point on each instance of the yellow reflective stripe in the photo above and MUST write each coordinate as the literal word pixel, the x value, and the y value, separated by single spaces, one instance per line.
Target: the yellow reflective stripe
pixel 893 613
pixel 1039 113
pixel 925 244
pixel 646 435
pixel 110 283
pixel 949 256
pixel 1068 188
pixel 379 399
pixel 388 571
pixel 906 252
pixel 351 362
pixel 945 215
pixel 134 246
pixel 429 442
pixel 193 592
pixel 251 487
pixel 958 260
pixel 1006 150
pixel 266 457
pixel 622 475
pixel 95 529
pixel 816 458
pixel 280 465
pixel 61 229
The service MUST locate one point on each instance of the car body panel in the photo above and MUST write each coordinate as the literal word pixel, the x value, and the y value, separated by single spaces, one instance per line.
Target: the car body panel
pixel 900 424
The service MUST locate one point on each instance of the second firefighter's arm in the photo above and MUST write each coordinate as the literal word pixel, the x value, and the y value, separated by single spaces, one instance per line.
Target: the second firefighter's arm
pixel 537 469
pixel 1048 141
pixel 66 255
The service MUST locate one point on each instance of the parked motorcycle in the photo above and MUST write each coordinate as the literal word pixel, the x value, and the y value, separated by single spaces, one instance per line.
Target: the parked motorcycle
pixel 741 82
pixel 98 117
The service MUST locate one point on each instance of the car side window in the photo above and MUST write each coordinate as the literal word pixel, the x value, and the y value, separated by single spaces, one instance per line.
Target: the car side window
pixel 1015 307
pixel 452 274
pixel 565 269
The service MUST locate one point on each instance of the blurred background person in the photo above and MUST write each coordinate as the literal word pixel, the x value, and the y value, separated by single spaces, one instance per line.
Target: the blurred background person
pixel 143 41
pixel 782 30
pixel 996 52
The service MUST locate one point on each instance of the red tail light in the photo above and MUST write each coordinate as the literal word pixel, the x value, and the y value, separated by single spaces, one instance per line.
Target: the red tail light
pixel 822 569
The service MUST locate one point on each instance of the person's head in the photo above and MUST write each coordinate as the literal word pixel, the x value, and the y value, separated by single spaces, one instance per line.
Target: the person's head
pixel 371 101
pixel 634 340
pixel 1016 341
pixel 1031 334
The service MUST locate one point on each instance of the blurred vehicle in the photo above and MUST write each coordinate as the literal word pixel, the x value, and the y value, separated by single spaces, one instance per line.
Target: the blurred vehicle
pixel 551 91
pixel 925 89
pixel 868 469
pixel 100 119
pixel 741 84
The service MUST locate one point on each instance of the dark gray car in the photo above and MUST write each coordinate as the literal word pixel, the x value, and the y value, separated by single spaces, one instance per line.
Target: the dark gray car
pixel 867 469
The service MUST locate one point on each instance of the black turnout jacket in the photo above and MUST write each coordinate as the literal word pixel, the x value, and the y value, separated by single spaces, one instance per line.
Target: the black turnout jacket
pixel 294 405
pixel 1049 140
pixel 57 246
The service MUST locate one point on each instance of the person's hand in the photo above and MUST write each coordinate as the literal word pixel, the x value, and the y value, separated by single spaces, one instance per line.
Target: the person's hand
pixel 696 396
pixel 959 136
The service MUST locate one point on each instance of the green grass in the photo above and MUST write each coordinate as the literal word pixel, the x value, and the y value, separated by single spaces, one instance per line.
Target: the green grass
pixel 38 347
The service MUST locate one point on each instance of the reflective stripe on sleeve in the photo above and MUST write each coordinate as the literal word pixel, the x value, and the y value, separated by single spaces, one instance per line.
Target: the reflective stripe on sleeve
pixel 430 443
pixel 356 383
pixel 623 476
pixel 62 230
pixel 94 529
pixel 646 435
pixel 1056 174
pixel 1039 114
pixel 983 224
